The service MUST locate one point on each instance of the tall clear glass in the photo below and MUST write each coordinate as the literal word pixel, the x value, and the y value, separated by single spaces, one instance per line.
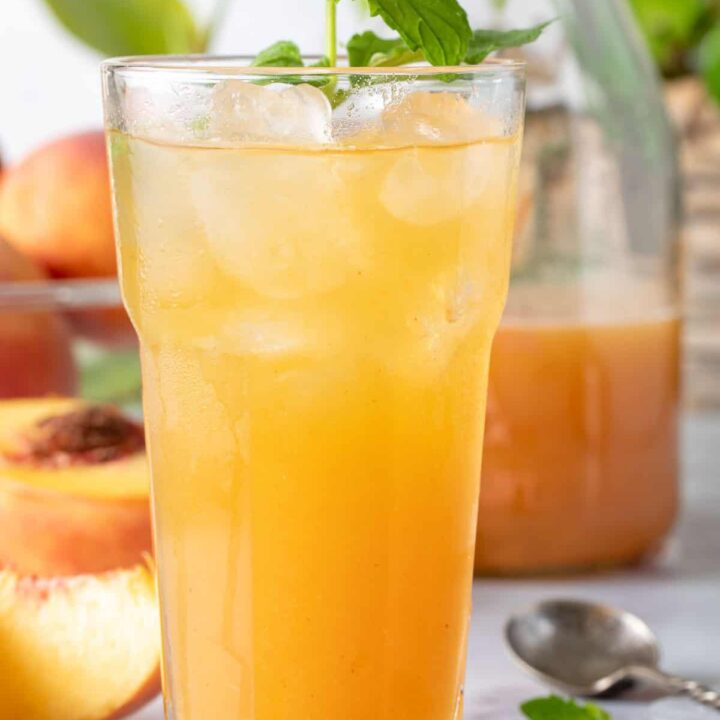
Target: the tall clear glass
pixel 315 261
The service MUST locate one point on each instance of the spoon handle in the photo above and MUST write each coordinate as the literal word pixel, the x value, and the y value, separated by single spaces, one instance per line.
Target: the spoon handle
pixel 703 694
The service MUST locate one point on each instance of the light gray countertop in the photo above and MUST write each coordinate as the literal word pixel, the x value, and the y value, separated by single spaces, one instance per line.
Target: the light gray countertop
pixel 678 595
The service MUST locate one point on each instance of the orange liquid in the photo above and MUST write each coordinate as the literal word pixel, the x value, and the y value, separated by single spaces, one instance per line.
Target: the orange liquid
pixel 580 463
pixel 315 329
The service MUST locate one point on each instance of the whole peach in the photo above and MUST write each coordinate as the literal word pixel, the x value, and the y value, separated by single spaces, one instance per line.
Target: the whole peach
pixel 55 207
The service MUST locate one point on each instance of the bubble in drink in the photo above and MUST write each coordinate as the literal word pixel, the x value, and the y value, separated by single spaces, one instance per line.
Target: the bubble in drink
pixel 242 111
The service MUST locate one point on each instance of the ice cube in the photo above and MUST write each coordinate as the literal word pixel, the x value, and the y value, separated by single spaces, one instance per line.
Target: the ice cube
pixel 680 709
pixel 281 222
pixel 159 112
pixel 173 256
pixel 426 187
pixel 434 322
pixel 265 332
pixel 424 117
pixel 242 111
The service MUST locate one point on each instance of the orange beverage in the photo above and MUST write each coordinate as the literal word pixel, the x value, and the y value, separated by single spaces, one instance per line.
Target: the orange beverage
pixel 316 325
pixel 580 463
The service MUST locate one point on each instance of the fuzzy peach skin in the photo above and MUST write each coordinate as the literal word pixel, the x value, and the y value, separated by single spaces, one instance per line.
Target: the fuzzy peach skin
pixel 63 521
pixel 79 648
pixel 35 344
pixel 55 207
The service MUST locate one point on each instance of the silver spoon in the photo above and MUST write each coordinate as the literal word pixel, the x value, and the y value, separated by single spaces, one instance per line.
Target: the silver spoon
pixel 587 649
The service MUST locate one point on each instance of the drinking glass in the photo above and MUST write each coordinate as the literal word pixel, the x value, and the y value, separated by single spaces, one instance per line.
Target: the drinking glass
pixel 315 260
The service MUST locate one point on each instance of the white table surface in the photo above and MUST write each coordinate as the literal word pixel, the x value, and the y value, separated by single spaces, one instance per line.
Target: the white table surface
pixel 678 595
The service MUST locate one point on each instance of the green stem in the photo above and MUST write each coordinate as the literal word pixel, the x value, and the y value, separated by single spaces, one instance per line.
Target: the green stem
pixel 331 31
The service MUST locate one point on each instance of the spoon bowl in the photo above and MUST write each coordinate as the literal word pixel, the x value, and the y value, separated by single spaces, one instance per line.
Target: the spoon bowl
pixel 582 648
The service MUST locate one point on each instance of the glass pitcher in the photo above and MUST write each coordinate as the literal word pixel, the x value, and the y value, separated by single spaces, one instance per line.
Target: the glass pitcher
pixel 581 449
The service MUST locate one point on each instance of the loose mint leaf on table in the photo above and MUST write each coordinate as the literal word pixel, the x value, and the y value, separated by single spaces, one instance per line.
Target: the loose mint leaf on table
pixel 130 27
pixel 557 708
pixel 439 28
pixel 283 53
pixel 370 50
pixel 484 42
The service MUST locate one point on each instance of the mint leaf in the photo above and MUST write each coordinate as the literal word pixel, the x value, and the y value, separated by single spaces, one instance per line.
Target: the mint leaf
pixel 556 708
pixel 283 53
pixel 484 42
pixel 130 27
pixel 369 50
pixel 595 712
pixel 111 377
pixel 439 28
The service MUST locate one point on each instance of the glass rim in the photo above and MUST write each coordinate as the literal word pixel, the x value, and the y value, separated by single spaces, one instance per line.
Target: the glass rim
pixel 239 65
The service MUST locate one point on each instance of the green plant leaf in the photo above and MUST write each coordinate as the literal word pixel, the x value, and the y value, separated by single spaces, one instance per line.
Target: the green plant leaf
pixel 283 53
pixel 557 708
pixel 709 59
pixel 439 28
pixel 370 50
pixel 484 42
pixel 672 28
pixel 111 377
pixel 130 27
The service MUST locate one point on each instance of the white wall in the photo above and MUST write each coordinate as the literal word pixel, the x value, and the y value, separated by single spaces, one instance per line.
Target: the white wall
pixel 49 83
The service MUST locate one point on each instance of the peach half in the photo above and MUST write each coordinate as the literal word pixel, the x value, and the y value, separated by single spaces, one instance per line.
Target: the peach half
pixel 74 486
pixel 80 648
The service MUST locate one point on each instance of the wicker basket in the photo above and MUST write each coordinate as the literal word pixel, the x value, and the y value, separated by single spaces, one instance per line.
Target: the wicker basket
pixel 697 119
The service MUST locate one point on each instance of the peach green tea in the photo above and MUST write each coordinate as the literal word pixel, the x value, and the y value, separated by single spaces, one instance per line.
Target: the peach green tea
pixel 316 324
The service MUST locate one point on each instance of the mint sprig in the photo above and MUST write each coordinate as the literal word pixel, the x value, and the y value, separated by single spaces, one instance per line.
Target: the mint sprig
pixel 434 30
pixel 557 708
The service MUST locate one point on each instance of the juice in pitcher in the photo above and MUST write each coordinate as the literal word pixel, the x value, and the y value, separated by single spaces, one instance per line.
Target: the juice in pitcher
pixel 316 321
pixel 580 468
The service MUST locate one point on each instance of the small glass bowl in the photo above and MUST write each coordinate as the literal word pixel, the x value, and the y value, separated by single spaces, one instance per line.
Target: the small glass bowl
pixel 67 337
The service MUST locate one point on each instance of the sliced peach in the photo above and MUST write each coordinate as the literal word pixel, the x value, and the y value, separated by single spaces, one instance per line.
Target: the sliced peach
pixel 81 648
pixel 73 488
pixel 35 345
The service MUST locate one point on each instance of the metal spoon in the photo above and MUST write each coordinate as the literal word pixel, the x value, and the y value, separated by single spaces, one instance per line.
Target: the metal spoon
pixel 588 649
